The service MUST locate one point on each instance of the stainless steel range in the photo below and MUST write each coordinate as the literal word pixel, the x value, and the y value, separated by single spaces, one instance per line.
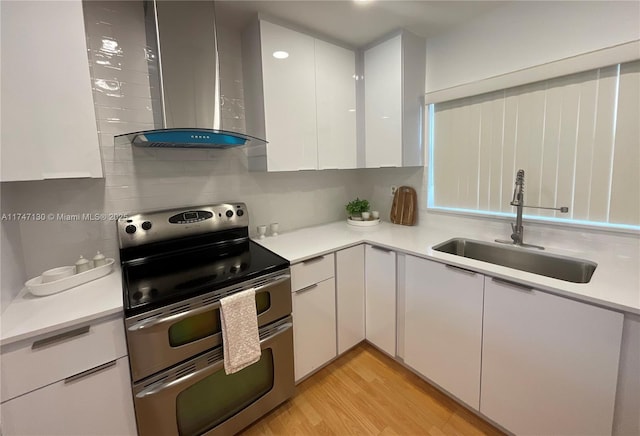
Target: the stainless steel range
pixel 177 265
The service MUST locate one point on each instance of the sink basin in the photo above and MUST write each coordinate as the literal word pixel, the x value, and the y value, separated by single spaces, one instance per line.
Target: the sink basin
pixel 558 267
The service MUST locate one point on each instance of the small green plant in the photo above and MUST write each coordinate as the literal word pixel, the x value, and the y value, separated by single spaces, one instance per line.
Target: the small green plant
pixel 357 206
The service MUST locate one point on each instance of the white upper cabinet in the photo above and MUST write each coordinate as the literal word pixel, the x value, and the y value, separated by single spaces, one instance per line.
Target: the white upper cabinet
pixel 49 128
pixel 383 104
pixel 393 86
pixel 289 98
pixel 336 106
pixel 299 96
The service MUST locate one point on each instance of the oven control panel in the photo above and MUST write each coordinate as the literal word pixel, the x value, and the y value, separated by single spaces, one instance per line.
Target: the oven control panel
pixel 192 216
pixel 147 227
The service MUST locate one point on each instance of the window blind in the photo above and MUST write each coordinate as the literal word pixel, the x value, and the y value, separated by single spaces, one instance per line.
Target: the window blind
pixel 577 137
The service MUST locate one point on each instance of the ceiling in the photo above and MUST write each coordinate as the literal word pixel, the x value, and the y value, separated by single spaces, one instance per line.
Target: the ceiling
pixel 357 23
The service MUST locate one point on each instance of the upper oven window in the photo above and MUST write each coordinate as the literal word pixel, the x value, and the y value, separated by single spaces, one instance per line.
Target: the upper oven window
pixel 208 323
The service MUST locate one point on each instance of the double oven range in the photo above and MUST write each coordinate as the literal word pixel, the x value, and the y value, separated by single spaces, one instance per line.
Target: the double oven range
pixel 177 265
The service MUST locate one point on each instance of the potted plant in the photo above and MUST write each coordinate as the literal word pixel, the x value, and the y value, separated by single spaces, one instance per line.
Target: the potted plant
pixel 356 207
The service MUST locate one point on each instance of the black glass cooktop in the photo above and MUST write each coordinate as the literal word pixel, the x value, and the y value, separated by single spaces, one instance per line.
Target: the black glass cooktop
pixel 160 280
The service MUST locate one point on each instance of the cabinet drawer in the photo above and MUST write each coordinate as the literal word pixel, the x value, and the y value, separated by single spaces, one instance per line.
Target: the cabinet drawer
pixel 314 327
pixel 97 403
pixel 29 365
pixel 311 271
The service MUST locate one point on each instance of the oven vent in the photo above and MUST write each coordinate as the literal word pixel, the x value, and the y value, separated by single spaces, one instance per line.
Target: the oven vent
pixel 209 300
pixel 139 321
pixel 262 282
pixel 154 382
pixel 179 309
pixel 273 328
pixel 215 356
pixel 204 300
pixel 185 371
pixel 231 291
pixel 225 293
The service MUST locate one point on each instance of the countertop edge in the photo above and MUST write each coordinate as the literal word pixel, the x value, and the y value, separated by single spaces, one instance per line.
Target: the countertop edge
pixel 532 281
pixel 27 317
pixel 36 334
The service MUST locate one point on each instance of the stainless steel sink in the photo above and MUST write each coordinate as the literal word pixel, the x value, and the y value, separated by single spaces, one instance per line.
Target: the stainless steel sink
pixel 558 267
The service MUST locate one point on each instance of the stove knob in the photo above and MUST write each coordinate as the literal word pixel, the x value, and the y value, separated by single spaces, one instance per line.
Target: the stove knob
pixel 229 213
pixel 146 225
pixel 130 229
pixel 240 212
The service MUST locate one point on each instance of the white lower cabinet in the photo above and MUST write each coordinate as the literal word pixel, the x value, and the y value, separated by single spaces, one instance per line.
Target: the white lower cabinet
pixel 96 402
pixel 74 381
pixel 533 362
pixel 549 364
pixel 443 326
pixel 350 297
pixel 314 327
pixel 380 305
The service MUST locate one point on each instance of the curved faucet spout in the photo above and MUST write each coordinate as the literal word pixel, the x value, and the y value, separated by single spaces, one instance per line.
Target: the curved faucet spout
pixel 517 229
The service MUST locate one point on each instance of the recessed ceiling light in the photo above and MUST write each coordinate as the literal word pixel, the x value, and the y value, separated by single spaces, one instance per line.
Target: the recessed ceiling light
pixel 280 54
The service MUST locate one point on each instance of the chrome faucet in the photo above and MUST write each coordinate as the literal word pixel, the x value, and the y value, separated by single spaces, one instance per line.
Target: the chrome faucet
pixel 517 229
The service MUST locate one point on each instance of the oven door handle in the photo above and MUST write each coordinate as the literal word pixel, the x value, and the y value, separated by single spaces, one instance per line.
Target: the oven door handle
pixel 148 323
pixel 157 388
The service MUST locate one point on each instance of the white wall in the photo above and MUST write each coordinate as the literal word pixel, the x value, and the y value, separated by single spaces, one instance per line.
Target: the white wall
pixel 378 182
pixel 525 34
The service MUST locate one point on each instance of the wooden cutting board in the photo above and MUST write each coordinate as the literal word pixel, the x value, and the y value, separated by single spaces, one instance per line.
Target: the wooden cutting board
pixel 405 206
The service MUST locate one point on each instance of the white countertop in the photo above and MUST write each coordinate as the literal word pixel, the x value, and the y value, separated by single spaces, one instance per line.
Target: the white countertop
pixel 28 316
pixel 615 283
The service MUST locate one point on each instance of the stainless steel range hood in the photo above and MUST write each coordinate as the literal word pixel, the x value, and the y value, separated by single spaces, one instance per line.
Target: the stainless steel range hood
pixel 185 83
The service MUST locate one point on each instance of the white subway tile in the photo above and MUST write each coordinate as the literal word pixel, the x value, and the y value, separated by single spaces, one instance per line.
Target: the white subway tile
pixel 131 116
pixel 120 128
pixel 136 90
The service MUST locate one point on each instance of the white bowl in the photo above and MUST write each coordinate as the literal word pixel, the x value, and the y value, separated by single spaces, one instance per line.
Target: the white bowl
pixel 56 274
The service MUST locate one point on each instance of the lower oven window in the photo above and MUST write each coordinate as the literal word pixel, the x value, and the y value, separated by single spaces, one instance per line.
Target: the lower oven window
pixel 218 397
pixel 208 323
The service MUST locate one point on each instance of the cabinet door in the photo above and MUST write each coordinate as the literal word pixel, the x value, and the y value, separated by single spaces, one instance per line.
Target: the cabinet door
pixel 350 297
pixel 336 106
pixel 443 326
pixel 100 403
pixel 314 327
pixel 549 364
pixel 383 104
pixel 289 99
pixel 380 279
pixel 48 119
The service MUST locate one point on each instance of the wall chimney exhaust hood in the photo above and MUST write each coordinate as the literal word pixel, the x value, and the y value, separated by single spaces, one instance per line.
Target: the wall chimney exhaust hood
pixel 184 79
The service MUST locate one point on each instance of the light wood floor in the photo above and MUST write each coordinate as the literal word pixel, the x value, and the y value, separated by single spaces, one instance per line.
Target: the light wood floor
pixel 366 392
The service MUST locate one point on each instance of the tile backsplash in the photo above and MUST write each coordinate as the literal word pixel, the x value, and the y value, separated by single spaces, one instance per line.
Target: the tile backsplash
pixel 147 179
pixel 12 272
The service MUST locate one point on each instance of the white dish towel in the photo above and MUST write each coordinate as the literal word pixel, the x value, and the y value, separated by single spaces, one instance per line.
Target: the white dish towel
pixel 240 338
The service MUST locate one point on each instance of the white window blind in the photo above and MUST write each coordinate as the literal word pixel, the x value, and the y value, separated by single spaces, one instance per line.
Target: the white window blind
pixel 577 138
